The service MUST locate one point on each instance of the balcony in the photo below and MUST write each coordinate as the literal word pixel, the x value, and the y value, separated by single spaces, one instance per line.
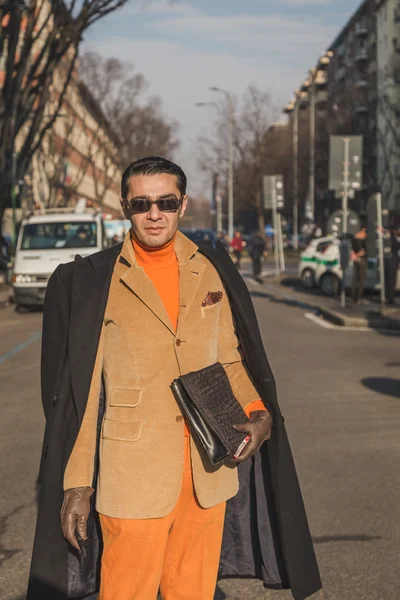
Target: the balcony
pixel 361 109
pixel 321 96
pixel 361 82
pixel 361 55
pixel 361 29
pixel 341 73
pixel 321 78
pixel 303 99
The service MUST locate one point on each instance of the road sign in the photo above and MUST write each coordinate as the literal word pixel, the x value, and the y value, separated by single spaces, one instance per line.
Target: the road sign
pixel 338 169
pixel 273 192
pixel 335 223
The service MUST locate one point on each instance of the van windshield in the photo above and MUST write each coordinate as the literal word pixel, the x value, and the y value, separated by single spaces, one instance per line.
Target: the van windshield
pixel 47 236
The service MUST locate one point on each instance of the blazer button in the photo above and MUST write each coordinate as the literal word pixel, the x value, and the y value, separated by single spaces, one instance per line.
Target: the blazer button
pixel 179 419
pixel 56 399
pixel 178 342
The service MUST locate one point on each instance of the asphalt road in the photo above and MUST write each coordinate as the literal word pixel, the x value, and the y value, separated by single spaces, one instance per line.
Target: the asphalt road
pixel 339 392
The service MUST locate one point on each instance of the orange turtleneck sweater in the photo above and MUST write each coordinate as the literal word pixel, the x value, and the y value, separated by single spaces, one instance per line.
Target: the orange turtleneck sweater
pixel 161 266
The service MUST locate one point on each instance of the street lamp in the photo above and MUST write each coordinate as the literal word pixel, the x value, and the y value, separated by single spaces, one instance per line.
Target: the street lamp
pixel 217 195
pixel 230 158
pixel 293 107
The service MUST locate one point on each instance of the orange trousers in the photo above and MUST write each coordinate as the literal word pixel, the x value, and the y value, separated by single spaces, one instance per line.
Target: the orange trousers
pixel 178 554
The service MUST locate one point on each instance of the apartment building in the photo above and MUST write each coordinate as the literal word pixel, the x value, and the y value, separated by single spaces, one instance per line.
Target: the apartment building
pixel 352 87
pixel 388 100
pixel 361 97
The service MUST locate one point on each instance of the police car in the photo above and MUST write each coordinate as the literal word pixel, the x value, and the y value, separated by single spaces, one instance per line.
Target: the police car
pixel 320 267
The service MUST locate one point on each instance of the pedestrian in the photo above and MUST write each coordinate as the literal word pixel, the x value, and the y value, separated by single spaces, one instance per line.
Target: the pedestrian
pixel 223 240
pixel 257 249
pixel 237 245
pixel 360 263
pixel 141 508
pixel 391 264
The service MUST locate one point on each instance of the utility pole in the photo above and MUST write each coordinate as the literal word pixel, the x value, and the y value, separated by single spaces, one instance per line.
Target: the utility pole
pixel 230 170
pixel 345 212
pixel 296 173
pixel 14 198
pixel 312 144
pixel 345 196
pixel 228 97
pixel 275 226
pixel 380 249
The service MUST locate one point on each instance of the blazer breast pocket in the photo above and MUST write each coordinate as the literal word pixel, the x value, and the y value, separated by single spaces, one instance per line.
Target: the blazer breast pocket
pixel 211 310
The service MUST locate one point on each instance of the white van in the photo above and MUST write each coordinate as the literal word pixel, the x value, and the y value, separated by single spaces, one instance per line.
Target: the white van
pixel 44 242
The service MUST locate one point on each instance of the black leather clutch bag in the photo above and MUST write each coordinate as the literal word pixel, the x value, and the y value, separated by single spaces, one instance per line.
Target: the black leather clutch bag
pixel 208 404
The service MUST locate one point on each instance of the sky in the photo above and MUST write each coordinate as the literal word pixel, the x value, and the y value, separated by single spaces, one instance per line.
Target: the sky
pixel 185 46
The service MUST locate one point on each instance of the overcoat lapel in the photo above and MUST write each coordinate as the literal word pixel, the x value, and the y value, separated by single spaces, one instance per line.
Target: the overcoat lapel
pixel 90 287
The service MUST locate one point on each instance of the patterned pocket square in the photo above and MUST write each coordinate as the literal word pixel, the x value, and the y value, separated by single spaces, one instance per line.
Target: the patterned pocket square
pixel 212 298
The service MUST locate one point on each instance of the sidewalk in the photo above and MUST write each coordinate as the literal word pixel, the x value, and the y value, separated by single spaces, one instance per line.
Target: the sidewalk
pixel 366 314
pixel 5 295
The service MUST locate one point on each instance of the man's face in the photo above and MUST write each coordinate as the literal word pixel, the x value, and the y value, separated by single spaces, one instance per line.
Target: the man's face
pixel 154 228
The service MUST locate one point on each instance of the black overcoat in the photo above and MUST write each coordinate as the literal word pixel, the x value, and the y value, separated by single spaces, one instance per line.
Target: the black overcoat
pixel 266 532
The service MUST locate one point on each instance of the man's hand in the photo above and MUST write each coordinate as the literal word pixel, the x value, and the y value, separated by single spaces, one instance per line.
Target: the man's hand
pixel 259 428
pixel 74 514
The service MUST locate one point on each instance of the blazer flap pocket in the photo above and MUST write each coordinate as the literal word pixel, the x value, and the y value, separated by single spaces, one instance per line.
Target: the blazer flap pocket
pixel 124 432
pixel 126 397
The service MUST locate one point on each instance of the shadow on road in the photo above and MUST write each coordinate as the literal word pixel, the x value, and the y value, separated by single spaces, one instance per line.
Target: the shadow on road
pixel 219 595
pixel 383 385
pixel 327 539
pixel 287 301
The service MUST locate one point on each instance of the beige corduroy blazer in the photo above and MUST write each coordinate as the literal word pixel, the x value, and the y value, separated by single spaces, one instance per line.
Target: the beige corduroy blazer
pixel 139 355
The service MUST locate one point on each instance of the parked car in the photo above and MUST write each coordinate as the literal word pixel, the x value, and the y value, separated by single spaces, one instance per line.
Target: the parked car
pixel 200 235
pixel 320 267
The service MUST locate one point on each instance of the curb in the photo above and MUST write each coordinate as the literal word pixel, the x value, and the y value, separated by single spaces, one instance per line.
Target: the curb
pixel 375 320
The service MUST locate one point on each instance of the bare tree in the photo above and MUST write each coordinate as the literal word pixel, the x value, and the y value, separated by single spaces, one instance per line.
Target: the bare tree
pixel 136 119
pixel 253 116
pixel 39 42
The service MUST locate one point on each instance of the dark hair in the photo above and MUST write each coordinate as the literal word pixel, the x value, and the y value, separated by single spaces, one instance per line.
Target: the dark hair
pixel 153 165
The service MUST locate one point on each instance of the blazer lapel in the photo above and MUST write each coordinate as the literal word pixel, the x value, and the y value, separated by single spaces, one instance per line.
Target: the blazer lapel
pixel 137 281
pixel 90 287
pixel 191 273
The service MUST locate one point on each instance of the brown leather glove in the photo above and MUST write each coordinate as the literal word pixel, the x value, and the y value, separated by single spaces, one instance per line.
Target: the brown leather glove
pixel 74 514
pixel 259 428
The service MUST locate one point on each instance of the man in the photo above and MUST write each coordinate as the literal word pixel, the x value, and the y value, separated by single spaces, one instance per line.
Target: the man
pixel 223 239
pixel 141 508
pixel 392 261
pixel 257 249
pixel 360 263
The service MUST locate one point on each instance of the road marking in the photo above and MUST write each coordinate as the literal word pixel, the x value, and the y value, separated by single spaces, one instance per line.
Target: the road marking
pixel 34 338
pixel 322 323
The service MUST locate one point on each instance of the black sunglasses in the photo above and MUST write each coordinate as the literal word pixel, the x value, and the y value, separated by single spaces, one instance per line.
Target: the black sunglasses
pixel 143 205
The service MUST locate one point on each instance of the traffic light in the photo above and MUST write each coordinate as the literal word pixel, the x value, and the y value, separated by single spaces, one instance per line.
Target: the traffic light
pixel 274 198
